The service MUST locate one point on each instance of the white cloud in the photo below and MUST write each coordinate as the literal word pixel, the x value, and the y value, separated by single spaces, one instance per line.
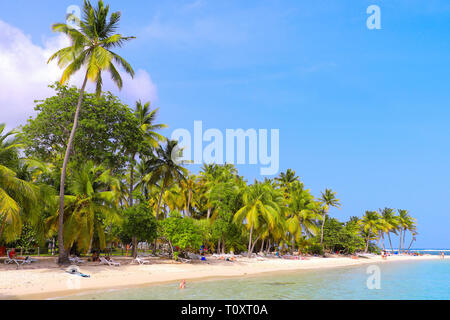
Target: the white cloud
pixel 25 76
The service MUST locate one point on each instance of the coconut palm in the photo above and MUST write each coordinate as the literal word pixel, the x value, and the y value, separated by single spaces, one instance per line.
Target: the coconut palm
pixel 90 207
pixel 370 224
pixel 403 220
pixel 213 174
pixel 91 44
pixel 301 215
pixel 146 119
pixel 188 186
pixel 261 207
pixel 388 223
pixel 411 227
pixel 327 199
pixel 18 197
pixel 165 169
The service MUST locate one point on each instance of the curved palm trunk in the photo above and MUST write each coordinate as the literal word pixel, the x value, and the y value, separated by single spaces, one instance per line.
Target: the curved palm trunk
pixel 412 240
pixel 400 242
pixel 157 215
pixel 382 242
pixel 390 242
pixel 404 236
pixel 63 257
pixel 367 244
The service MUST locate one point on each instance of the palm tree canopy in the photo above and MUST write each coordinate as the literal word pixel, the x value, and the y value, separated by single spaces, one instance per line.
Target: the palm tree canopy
pixel 328 199
pixel 91 45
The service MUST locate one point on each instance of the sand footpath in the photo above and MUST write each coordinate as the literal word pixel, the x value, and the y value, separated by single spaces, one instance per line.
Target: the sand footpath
pixel 44 279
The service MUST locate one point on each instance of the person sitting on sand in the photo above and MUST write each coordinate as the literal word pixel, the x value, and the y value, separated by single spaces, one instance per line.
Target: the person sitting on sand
pixel 95 256
pixel 182 284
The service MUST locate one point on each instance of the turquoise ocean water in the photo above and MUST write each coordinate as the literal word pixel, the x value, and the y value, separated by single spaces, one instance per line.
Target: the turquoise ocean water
pixel 398 280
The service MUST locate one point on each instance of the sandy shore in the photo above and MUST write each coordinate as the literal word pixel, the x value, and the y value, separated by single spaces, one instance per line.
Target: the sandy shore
pixel 44 279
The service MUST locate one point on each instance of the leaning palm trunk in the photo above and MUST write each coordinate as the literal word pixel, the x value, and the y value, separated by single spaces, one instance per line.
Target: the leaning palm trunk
pixel 412 240
pixel 367 244
pixel 157 214
pixel 63 255
pixel 400 242
pixel 390 242
pixel 404 236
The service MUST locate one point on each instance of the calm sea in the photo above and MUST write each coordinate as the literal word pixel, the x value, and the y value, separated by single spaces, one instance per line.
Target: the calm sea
pixel 398 280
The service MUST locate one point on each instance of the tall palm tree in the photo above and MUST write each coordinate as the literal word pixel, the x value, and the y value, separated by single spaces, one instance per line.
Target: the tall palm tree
pixel 189 186
pixel 410 225
pixel 146 119
pixel 327 199
pixel 90 207
pixel 165 168
pixel 91 45
pixel 370 224
pixel 261 207
pixel 403 219
pixel 301 214
pixel 389 223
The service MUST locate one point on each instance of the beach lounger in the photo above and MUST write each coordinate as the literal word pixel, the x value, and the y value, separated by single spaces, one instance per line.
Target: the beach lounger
pixel 108 262
pixel 140 260
pixel 76 260
pixel 9 260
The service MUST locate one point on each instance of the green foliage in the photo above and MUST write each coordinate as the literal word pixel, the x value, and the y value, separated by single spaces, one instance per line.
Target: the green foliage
pixel 338 236
pixel 106 129
pixel 180 232
pixel 140 223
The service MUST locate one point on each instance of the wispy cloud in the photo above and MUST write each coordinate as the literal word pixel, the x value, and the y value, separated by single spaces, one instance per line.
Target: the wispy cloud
pixel 25 76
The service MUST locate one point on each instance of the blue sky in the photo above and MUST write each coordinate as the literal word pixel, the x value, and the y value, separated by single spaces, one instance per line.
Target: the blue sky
pixel 364 112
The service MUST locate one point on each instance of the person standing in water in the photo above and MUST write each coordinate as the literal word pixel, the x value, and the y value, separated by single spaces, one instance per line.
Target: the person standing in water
pixel 442 255
pixel 183 284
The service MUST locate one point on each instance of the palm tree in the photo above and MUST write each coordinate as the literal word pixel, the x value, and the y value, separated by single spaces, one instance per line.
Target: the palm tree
pixel 90 47
pixel 301 215
pixel 165 169
pixel 211 175
pixel 410 225
pixel 91 206
pixel 327 200
pixel 261 207
pixel 403 219
pixel 370 224
pixel 17 196
pixel 189 185
pixel 389 223
pixel 286 179
pixel 146 119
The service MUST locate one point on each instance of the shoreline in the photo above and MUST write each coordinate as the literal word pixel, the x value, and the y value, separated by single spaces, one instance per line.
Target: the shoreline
pixel 45 280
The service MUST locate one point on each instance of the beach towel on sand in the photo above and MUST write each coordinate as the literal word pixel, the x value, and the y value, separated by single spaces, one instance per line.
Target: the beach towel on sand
pixel 76 271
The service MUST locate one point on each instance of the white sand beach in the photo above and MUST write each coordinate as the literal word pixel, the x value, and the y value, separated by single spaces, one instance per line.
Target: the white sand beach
pixel 44 279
